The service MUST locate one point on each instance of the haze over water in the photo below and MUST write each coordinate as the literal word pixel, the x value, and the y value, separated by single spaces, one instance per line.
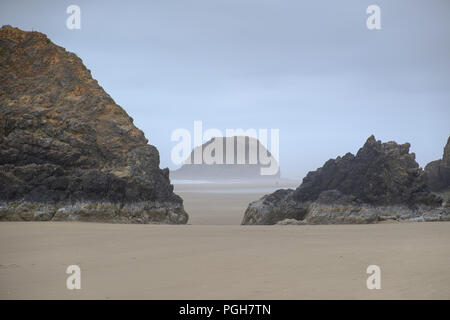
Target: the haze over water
pixel 313 70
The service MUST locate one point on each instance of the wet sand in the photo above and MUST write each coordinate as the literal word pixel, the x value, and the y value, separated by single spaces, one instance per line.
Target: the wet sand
pixel 224 261
pixel 224 203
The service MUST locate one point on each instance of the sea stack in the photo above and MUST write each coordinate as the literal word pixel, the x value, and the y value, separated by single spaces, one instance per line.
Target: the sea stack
pixel 241 158
pixel 381 182
pixel 67 150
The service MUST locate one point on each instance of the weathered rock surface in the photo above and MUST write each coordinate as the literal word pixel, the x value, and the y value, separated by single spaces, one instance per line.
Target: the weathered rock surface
pixel 292 222
pixel 437 173
pixel 381 182
pixel 275 207
pixel 243 163
pixel 67 150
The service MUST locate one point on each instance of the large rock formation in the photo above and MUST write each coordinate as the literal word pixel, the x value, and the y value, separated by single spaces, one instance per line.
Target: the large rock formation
pixel 437 173
pixel 383 181
pixel 242 162
pixel 67 150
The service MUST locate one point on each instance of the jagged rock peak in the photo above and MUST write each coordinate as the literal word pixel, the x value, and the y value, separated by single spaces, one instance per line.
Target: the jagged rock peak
pixel 380 173
pixel 382 181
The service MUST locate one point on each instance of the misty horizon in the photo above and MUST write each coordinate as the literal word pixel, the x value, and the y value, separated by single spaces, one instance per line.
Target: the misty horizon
pixel 311 70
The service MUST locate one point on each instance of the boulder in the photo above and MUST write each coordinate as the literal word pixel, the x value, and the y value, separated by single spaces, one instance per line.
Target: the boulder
pixel 275 207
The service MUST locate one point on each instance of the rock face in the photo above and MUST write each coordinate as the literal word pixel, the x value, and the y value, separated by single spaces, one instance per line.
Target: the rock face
pixel 381 182
pixel 437 173
pixel 67 150
pixel 244 161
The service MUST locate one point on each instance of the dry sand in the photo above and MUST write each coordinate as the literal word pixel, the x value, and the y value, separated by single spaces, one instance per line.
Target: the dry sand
pixel 223 261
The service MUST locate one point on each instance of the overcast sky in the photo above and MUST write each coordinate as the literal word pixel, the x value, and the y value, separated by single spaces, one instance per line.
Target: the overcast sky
pixel 309 68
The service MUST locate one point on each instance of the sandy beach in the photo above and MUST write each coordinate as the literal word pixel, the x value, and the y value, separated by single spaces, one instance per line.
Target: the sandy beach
pixel 144 145
pixel 223 261
pixel 213 257
pixel 220 203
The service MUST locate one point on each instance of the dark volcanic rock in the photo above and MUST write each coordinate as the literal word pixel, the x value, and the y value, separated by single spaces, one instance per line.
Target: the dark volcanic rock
pixel 67 150
pixel 275 207
pixel 437 173
pixel 379 174
pixel 383 181
pixel 250 166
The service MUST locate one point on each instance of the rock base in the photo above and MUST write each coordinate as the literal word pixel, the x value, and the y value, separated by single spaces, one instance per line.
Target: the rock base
pixel 137 212
pixel 334 208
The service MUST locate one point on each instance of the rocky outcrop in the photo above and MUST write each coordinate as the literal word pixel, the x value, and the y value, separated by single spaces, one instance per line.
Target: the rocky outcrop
pixel 437 173
pixel 381 182
pixel 275 207
pixel 67 150
pixel 229 158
